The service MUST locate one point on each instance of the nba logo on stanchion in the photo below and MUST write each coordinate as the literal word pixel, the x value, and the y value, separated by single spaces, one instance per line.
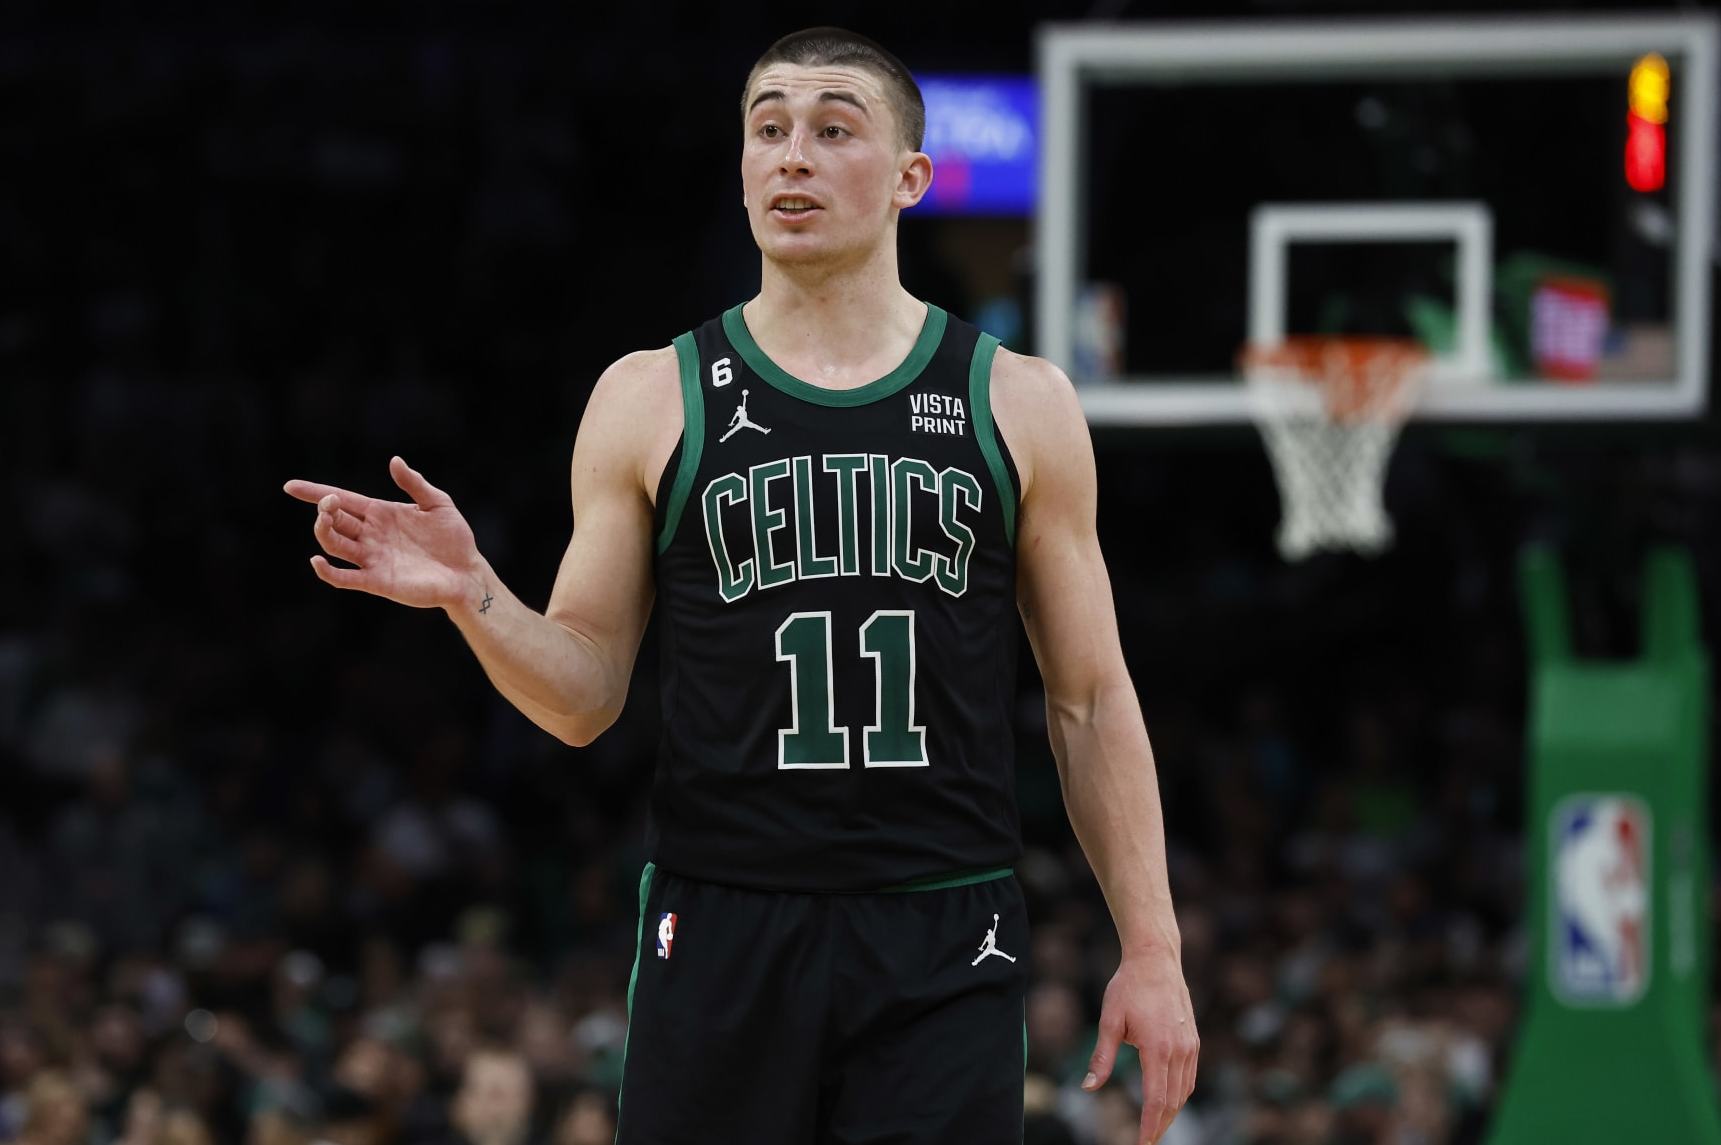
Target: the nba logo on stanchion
pixel 665 934
pixel 1600 890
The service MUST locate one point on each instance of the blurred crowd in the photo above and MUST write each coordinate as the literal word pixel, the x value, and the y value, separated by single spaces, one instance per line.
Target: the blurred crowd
pixel 291 926
pixel 277 867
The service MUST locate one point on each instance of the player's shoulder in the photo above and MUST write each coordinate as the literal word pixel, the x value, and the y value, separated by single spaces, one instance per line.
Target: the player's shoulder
pixel 637 382
pixel 1035 406
pixel 633 418
pixel 1024 380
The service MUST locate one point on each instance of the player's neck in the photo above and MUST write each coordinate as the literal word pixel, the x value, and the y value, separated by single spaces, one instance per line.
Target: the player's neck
pixel 835 327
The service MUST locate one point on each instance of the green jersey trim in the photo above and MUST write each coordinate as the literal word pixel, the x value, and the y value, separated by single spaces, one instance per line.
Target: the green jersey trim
pixel 692 437
pixel 986 433
pixel 945 882
pixel 931 334
pixel 633 979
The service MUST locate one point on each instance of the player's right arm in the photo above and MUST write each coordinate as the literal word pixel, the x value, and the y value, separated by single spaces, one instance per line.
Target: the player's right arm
pixel 566 669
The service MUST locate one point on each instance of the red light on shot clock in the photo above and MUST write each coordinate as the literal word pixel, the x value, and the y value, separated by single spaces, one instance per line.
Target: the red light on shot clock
pixel 1646 130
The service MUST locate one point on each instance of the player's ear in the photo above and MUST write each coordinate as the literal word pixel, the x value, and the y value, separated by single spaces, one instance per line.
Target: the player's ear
pixel 914 176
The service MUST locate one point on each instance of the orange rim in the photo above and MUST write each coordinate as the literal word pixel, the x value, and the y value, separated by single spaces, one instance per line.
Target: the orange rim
pixel 1357 377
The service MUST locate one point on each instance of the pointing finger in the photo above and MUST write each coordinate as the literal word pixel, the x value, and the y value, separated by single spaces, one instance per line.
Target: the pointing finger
pixel 354 503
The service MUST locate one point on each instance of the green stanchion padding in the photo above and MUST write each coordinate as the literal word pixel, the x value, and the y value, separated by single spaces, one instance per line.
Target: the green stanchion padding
pixel 1612 1044
pixel 1542 587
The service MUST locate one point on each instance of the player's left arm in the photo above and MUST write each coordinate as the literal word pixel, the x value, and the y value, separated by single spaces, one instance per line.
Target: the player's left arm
pixel 1105 763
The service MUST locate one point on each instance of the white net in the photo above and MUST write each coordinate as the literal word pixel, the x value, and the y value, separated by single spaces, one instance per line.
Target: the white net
pixel 1330 410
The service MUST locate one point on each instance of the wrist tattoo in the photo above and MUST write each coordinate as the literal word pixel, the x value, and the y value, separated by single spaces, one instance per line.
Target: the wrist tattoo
pixel 485 607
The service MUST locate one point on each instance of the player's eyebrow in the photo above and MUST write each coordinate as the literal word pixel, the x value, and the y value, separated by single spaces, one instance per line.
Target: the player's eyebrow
pixel 843 97
pixel 824 97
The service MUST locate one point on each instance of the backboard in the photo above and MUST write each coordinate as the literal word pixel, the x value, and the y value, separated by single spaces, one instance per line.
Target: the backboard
pixel 1490 187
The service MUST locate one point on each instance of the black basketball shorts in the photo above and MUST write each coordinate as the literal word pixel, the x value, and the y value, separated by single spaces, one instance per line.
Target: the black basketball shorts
pixel 771 1018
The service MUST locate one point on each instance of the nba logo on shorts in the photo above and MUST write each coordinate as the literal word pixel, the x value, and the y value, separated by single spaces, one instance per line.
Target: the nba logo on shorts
pixel 665 934
pixel 1600 890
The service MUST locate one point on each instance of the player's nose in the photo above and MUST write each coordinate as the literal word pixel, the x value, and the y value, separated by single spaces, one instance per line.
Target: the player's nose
pixel 795 154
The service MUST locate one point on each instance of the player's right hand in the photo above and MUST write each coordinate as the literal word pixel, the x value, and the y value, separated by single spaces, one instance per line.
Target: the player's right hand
pixel 421 553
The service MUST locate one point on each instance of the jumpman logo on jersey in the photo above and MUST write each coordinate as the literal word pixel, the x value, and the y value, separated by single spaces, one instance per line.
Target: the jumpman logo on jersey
pixel 741 421
pixel 990 945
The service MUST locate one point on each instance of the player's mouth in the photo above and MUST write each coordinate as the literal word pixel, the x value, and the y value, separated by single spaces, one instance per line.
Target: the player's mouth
pixel 794 208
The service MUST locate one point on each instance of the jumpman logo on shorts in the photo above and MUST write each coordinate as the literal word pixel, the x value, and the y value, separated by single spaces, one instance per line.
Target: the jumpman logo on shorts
pixel 990 945
pixel 741 421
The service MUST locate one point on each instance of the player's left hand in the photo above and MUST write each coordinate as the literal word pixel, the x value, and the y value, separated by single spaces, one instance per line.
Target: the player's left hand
pixel 1147 1005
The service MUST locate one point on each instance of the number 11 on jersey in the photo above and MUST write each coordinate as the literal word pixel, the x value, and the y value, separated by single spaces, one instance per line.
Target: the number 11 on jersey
pixel 812 740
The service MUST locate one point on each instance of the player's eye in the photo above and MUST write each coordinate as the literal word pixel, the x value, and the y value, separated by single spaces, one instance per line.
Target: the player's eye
pixel 833 131
pixel 770 131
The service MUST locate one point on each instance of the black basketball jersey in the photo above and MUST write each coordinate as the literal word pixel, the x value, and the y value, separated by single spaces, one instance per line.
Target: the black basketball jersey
pixel 836 598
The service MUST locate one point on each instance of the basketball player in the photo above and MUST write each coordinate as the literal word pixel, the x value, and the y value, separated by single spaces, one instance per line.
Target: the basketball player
pixel 835 493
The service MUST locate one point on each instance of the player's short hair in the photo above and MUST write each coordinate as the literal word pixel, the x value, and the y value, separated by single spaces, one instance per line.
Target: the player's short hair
pixel 840 48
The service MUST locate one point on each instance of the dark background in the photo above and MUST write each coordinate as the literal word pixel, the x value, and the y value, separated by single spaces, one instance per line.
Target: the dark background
pixel 277 858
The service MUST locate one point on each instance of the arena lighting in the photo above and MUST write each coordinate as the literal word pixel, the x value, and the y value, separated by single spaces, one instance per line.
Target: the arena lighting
pixel 1646 131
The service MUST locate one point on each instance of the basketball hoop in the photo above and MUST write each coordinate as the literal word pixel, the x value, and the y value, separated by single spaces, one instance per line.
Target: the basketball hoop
pixel 1330 410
